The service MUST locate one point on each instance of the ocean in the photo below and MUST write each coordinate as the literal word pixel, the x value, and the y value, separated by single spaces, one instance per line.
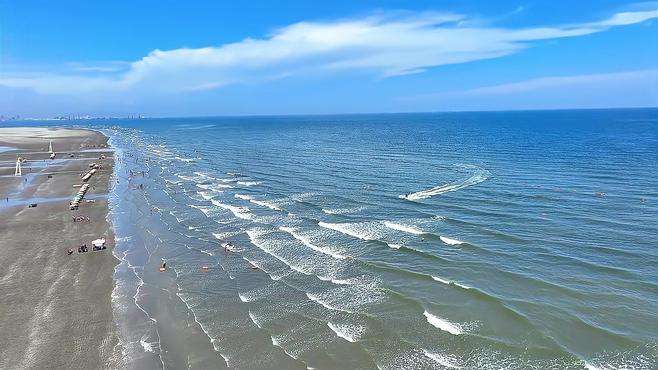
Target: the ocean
pixel 392 241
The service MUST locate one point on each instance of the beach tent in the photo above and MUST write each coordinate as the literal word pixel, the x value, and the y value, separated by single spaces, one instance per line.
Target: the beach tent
pixel 98 242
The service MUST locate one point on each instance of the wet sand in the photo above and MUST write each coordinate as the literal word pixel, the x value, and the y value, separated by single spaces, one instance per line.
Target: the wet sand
pixel 55 308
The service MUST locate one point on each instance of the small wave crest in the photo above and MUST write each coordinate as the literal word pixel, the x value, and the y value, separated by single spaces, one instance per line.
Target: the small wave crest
pixel 404 228
pixel 308 243
pixel 341 211
pixel 441 359
pixel 214 187
pixel 346 229
pixel 449 282
pixel 443 324
pixel 450 241
pixel 240 212
pixel 261 203
pixel 350 333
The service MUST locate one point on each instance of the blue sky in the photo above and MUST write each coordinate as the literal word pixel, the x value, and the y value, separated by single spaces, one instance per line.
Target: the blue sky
pixel 172 58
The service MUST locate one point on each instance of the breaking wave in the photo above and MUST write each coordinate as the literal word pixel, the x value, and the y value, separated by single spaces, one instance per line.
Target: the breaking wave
pixel 348 332
pixel 308 243
pixel 450 241
pixel 443 324
pixel 404 228
pixel 261 203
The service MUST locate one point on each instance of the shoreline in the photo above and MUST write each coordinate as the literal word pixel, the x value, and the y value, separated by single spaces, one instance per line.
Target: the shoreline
pixel 56 308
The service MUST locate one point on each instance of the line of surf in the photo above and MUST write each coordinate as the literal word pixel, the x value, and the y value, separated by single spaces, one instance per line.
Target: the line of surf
pixel 261 203
pixel 404 228
pixel 308 243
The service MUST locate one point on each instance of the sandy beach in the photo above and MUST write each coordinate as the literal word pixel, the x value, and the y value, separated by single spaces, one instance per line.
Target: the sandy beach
pixel 55 308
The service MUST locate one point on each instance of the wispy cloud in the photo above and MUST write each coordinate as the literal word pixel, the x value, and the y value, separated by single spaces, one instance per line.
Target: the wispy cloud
pixel 544 83
pixel 629 88
pixel 384 46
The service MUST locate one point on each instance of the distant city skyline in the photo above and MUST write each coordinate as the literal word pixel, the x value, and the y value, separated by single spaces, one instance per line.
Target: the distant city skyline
pixel 209 58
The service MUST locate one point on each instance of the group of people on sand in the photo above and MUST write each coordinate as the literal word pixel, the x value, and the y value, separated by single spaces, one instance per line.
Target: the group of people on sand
pixel 83 249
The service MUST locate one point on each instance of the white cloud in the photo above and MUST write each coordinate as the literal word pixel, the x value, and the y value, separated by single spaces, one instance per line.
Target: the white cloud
pixel 381 45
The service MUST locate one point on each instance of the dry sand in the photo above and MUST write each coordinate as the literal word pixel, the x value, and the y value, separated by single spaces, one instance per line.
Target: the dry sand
pixel 55 309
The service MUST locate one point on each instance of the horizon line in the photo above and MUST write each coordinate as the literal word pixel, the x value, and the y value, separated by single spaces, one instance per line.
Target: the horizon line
pixel 327 114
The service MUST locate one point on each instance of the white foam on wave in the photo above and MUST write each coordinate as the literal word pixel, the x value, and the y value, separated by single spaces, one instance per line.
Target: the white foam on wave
pixel 187 178
pixel 308 243
pixel 249 183
pixel 341 211
pixel 260 266
pixel 255 320
pixel 240 212
pixel 205 195
pixel 394 246
pixel 317 299
pixel 590 366
pixel 449 282
pixel 244 298
pixel 404 228
pixel 206 210
pixel 186 160
pixel 302 196
pixel 450 241
pixel 349 297
pixel 261 203
pixel 477 177
pixel 338 281
pixel 348 332
pixel 231 247
pixel 267 204
pixel 205 175
pixel 270 249
pixel 223 179
pixel 172 182
pixel 443 324
pixel 148 347
pixel 342 281
pixel 441 359
pixel 214 187
pixel 227 234
pixel 441 280
pixel 347 229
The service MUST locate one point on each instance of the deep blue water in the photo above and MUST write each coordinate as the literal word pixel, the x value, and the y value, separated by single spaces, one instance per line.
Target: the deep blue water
pixel 501 239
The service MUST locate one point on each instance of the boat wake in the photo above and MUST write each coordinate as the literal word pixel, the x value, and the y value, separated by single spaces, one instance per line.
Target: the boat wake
pixel 477 177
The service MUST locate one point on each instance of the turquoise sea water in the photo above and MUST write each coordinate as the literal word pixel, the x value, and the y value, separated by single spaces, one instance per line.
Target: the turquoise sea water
pixel 477 240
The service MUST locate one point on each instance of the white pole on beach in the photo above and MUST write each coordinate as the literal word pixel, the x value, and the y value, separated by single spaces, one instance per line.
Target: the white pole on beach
pixel 19 170
pixel 50 149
